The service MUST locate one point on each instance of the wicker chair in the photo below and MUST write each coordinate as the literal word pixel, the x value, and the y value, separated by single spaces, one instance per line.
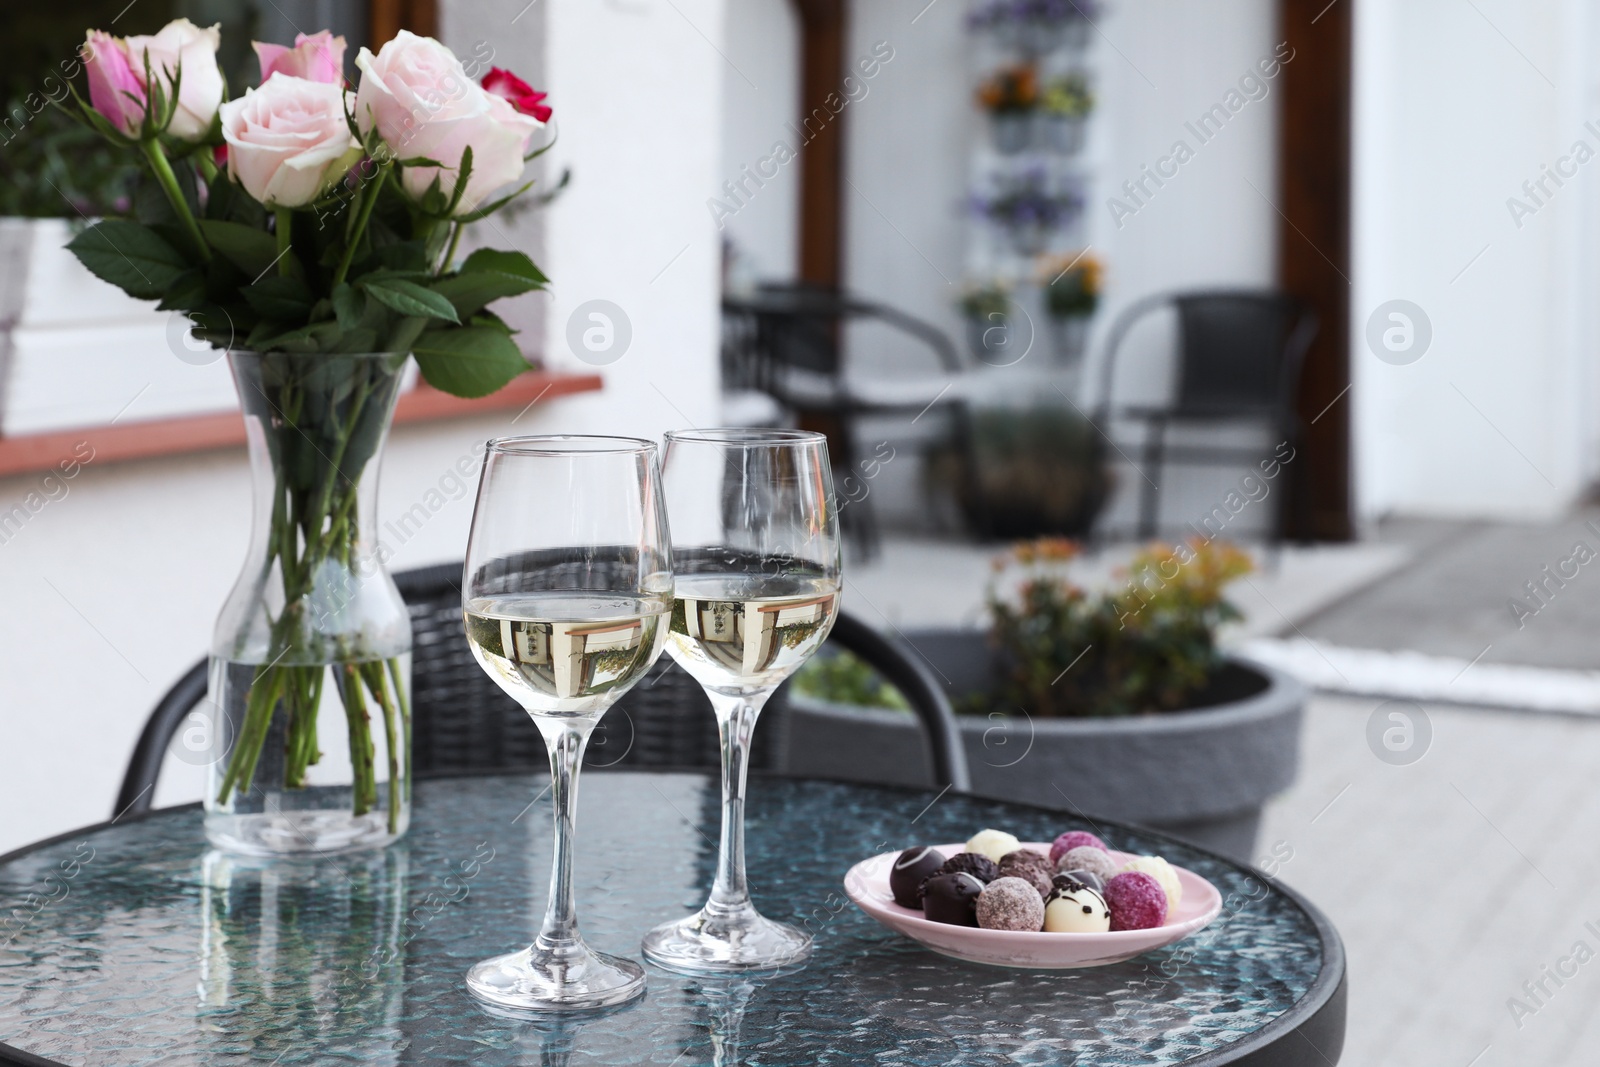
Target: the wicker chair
pixel 463 722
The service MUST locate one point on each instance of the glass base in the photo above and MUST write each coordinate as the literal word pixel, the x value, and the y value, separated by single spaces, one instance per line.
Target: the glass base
pixel 564 979
pixel 304 832
pixel 717 940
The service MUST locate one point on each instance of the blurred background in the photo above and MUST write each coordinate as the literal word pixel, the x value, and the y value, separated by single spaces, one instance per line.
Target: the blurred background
pixel 1314 278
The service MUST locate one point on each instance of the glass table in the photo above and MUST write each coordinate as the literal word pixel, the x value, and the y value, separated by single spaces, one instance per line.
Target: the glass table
pixel 132 943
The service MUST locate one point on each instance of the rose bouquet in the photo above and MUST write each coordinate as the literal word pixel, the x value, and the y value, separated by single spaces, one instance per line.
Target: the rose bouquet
pixel 312 231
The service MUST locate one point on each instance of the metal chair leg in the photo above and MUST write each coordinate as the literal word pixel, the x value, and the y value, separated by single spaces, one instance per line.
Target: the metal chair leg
pixel 1150 493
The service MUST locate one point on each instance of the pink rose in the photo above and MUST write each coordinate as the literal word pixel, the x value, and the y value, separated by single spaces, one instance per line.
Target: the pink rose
pixel 288 142
pixel 114 90
pixel 318 58
pixel 181 45
pixel 419 98
pixel 522 96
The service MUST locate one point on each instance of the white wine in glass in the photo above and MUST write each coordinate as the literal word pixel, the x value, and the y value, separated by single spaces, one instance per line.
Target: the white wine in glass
pixel 566 594
pixel 755 543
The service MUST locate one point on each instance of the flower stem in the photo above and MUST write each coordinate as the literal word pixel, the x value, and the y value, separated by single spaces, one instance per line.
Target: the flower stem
pixel 169 185
pixel 369 200
pixel 450 250
pixel 284 225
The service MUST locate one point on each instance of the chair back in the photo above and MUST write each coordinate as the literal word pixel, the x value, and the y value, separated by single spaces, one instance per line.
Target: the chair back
pixel 463 722
pixel 1239 351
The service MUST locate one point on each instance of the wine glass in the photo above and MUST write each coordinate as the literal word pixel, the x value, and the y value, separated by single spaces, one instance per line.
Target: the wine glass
pixel 567 590
pixel 756 587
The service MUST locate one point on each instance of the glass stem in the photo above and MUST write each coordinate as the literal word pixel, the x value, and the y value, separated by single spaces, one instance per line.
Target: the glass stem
pixel 565 739
pixel 736 723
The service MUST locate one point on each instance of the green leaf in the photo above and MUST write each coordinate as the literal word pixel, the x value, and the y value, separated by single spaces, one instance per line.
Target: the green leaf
pixel 468 361
pixel 348 306
pixel 487 276
pixel 251 250
pixel 409 298
pixel 492 260
pixel 130 256
pixel 188 291
pixel 276 297
pixel 405 333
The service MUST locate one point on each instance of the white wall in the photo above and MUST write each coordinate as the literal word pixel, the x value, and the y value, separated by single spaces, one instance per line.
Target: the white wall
pixel 110 591
pixel 759 100
pixel 1455 109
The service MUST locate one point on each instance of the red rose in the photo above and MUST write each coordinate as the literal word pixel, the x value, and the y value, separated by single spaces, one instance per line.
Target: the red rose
pixel 505 84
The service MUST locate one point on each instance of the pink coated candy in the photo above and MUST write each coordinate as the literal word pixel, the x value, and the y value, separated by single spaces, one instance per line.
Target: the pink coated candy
pixel 1136 900
pixel 1074 839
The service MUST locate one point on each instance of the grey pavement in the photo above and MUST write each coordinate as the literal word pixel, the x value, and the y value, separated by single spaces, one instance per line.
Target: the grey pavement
pixel 1453 595
pixel 1453 881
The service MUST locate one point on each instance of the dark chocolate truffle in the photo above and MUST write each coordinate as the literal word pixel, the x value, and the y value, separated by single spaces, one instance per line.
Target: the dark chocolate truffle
pixel 979 866
pixel 952 898
pixel 911 868
pixel 1032 867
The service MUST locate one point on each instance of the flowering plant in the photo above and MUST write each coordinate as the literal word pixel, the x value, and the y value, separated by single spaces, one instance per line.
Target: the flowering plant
pixel 1068 96
pixel 1150 646
pixel 305 218
pixel 316 228
pixel 1072 285
pixel 1010 90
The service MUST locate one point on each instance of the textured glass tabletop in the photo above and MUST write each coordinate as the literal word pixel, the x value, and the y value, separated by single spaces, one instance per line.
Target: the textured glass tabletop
pixel 135 944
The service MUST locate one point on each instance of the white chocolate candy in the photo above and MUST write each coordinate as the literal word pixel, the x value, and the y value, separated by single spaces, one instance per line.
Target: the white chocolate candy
pixel 992 843
pixel 1076 911
pixel 1162 872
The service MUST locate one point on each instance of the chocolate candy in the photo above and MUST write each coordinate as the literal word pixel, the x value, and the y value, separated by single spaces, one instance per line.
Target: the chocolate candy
pixel 980 867
pixel 913 867
pixel 1074 839
pixel 992 843
pixel 1088 878
pixel 952 898
pixel 1075 908
pixel 1136 900
pixel 1164 873
pixel 1032 867
pixel 1010 904
pixel 1089 858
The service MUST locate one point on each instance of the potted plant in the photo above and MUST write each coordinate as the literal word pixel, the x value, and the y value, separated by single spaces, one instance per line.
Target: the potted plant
pixel 1009 96
pixel 987 308
pixel 1030 208
pixel 1063 113
pixel 1071 296
pixel 1035 27
pixel 1117 703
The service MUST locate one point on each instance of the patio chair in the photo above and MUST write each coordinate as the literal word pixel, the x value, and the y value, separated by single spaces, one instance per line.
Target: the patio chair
pixel 463 722
pixel 1238 361
pixel 785 341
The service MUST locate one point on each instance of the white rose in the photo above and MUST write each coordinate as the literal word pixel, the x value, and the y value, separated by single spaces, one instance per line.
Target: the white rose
pixel 423 104
pixel 183 46
pixel 288 142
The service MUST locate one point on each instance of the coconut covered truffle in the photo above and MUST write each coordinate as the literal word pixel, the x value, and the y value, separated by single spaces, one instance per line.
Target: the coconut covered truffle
pixel 1074 839
pixel 1010 904
pixel 1136 900
pixel 993 844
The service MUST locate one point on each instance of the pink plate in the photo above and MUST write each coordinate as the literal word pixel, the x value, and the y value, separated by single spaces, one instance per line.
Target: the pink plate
pixel 867 883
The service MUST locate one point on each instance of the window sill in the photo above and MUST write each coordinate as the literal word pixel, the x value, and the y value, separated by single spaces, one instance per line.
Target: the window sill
pixel 200 433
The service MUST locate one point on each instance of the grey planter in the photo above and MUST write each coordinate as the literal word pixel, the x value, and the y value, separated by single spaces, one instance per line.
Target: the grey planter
pixel 1202 774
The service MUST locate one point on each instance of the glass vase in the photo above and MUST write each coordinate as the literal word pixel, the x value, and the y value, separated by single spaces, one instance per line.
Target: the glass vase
pixel 310 680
